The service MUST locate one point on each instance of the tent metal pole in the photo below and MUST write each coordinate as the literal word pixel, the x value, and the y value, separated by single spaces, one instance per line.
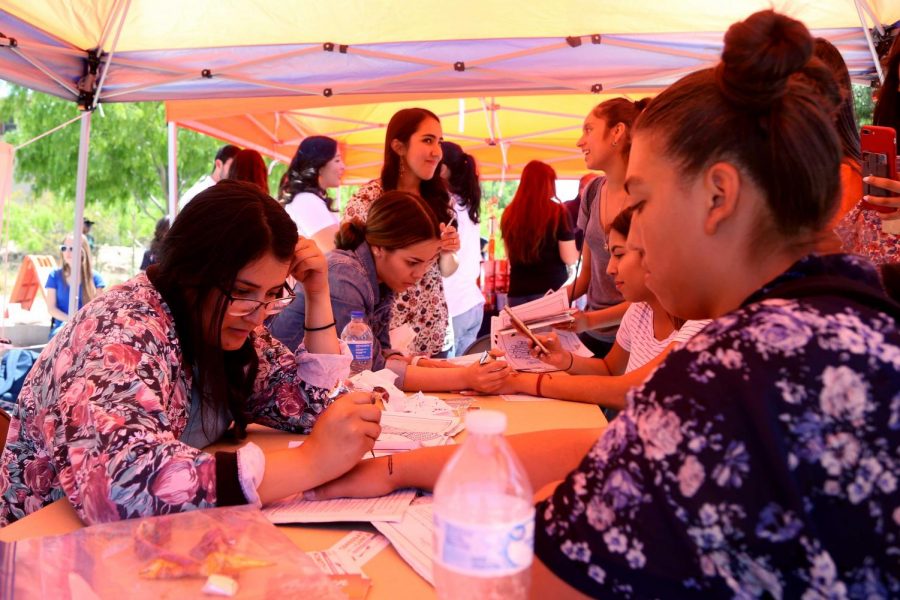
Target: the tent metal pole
pixel 173 170
pixel 876 22
pixel 262 128
pixel 78 228
pixel 112 51
pixel 869 41
pixel 150 84
pixel 40 66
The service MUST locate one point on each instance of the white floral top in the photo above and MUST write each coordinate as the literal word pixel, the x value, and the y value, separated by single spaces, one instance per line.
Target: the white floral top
pixel 760 460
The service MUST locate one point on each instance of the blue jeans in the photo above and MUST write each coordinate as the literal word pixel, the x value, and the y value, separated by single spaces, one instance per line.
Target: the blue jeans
pixel 465 329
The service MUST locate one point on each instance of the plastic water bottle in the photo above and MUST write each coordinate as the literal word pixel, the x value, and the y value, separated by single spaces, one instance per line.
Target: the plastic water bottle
pixel 483 517
pixel 359 338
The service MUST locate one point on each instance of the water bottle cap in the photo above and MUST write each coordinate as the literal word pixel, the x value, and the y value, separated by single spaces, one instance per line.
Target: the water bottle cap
pixel 486 421
pixel 357 314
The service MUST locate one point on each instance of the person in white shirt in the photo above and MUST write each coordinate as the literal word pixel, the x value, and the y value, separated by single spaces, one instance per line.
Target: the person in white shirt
pixel 221 165
pixel 645 337
pixel 464 298
pixel 317 166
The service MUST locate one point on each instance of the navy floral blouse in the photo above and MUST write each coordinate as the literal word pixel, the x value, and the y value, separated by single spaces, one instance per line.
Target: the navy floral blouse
pixel 101 413
pixel 760 460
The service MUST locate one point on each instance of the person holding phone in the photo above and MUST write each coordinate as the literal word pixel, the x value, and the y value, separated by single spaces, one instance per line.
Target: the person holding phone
pixel 390 252
pixel 759 460
pixel 645 336
pixel 866 230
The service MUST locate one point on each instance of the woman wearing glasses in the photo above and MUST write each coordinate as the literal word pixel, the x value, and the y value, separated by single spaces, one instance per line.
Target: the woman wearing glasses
pixel 58 283
pixel 390 252
pixel 116 410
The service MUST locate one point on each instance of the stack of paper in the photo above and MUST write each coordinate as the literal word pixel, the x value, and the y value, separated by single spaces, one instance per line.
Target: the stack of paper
pixel 295 509
pixel 412 536
pixel 425 430
pixel 539 315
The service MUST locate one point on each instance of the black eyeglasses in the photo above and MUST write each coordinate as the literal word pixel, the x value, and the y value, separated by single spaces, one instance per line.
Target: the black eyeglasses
pixel 241 307
pixel 64 248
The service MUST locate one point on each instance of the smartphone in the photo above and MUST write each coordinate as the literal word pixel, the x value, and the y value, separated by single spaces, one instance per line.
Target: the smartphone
pixel 523 329
pixel 879 158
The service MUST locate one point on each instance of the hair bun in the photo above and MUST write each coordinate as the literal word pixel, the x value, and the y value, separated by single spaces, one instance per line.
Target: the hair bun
pixel 760 55
pixel 350 235
pixel 641 104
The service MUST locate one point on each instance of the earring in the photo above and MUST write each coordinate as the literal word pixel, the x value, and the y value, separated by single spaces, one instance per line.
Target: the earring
pixel 614 143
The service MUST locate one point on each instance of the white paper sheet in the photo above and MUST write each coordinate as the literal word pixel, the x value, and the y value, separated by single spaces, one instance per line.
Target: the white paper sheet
pixel 521 398
pixel 412 536
pixel 295 509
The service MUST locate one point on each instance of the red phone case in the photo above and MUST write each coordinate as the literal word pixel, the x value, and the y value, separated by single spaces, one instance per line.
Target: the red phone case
pixel 879 158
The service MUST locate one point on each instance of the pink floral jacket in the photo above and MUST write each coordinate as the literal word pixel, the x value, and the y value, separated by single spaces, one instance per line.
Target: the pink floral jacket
pixel 101 413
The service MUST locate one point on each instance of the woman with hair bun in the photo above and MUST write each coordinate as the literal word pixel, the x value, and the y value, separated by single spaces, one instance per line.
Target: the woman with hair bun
pixel 317 166
pixel 605 143
pixel 390 252
pixel 760 459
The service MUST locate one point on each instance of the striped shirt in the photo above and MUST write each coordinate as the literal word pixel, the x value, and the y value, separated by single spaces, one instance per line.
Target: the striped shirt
pixel 635 335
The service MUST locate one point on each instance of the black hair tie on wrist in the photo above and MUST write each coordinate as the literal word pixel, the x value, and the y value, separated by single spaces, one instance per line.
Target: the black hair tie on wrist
pixel 322 328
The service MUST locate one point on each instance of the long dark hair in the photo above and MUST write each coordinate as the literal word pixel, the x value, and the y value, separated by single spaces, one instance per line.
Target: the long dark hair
pixel 765 108
pixel 845 117
pixel 463 179
pixel 159 233
pixel 401 127
pixel 222 230
pixel 302 175
pixel 887 109
pixel 395 220
pixel 531 220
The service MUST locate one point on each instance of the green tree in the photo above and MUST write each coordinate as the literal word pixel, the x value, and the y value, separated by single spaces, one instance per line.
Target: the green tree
pixel 863 104
pixel 128 154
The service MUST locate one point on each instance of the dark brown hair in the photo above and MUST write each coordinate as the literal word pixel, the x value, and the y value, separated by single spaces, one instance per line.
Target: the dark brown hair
pixel 401 127
pixel 222 230
pixel 761 109
pixel 845 116
pixel 395 220
pixel 624 111
pixel 887 109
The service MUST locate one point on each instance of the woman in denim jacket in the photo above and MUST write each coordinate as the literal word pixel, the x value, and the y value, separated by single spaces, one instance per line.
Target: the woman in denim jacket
pixel 391 251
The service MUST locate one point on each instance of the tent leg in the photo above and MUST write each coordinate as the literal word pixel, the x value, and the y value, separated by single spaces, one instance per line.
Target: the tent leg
pixel 862 22
pixel 78 229
pixel 173 171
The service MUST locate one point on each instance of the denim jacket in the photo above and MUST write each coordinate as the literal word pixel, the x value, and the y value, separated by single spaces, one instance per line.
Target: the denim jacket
pixel 354 286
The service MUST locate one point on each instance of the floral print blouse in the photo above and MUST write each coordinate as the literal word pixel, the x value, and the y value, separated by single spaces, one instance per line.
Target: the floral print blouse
pixel 422 306
pixel 101 413
pixel 761 459
pixel 861 232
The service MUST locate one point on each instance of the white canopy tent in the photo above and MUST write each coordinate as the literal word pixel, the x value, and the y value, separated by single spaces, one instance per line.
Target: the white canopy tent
pixel 95 51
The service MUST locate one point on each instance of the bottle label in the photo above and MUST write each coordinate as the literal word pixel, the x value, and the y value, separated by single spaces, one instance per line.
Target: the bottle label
pixel 360 350
pixel 484 550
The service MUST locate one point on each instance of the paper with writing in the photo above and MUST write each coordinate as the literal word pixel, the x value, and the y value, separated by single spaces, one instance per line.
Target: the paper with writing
pixel 295 509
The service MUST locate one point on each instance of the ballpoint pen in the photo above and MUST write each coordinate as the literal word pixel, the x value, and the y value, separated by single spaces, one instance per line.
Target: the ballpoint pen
pixel 485 356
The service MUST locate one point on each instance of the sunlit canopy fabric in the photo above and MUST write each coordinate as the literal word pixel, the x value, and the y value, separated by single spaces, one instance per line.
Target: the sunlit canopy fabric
pixel 172 49
pixel 263 74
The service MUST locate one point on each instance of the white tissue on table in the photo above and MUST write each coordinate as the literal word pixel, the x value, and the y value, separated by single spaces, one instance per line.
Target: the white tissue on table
pixel 397 401
pixel 367 381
